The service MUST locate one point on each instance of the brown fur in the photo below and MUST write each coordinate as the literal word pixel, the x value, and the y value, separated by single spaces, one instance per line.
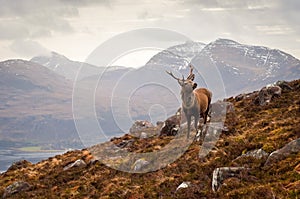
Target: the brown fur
pixel 199 108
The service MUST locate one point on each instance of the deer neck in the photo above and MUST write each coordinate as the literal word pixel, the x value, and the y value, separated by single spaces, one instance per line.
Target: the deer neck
pixel 184 105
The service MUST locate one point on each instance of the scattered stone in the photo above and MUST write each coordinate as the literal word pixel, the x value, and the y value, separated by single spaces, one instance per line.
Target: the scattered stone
pixel 125 143
pixel 171 126
pixel 78 163
pixel 183 185
pixel 140 125
pixel 139 164
pixel 143 135
pixel 240 97
pixel 257 153
pixel 266 94
pixel 222 173
pixel 280 154
pixel 16 187
pixel 283 85
pixel 19 164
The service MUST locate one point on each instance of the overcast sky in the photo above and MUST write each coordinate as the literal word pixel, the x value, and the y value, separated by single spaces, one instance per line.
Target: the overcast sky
pixel 75 28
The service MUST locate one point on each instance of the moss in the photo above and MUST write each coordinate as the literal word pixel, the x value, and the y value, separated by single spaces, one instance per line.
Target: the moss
pixel 268 147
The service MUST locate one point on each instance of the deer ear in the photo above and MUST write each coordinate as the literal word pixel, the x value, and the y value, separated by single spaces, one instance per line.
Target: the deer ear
pixel 194 86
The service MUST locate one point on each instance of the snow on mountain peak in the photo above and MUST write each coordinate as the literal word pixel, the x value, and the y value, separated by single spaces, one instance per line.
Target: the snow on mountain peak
pixel 177 57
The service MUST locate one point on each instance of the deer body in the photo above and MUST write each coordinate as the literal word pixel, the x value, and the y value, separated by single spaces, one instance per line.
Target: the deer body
pixel 195 102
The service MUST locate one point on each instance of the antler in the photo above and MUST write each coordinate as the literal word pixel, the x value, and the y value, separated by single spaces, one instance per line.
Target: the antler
pixel 171 74
pixel 191 75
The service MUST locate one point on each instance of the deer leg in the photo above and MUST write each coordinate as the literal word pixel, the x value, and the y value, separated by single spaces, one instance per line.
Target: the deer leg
pixel 196 122
pixel 205 116
pixel 196 125
pixel 206 113
pixel 188 126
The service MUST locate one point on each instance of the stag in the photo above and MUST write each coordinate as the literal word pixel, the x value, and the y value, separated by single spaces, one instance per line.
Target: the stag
pixel 195 102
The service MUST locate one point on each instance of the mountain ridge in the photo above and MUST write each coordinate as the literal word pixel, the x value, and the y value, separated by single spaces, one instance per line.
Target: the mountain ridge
pixel 28 114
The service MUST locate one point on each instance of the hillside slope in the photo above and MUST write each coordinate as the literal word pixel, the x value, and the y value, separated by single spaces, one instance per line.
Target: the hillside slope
pixel 269 127
pixel 35 104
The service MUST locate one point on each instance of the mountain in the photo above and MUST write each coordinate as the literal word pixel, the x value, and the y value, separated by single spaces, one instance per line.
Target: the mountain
pixel 256 156
pixel 35 104
pixel 66 67
pixel 117 96
pixel 229 64
pixel 177 57
pixel 244 67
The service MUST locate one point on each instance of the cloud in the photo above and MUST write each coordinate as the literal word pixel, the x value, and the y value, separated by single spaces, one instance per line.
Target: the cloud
pixel 84 3
pixel 28 48
pixel 30 18
pixel 24 8
pixel 11 30
pixel 289 11
pixel 64 8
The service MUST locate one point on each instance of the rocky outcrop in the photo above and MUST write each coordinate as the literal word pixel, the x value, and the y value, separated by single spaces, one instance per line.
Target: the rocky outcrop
pixel 283 85
pixel 280 154
pixel 140 126
pixel 16 187
pixel 19 164
pixel 257 153
pixel 171 125
pixel 78 163
pixel 140 164
pixel 222 173
pixel 183 185
pixel 266 94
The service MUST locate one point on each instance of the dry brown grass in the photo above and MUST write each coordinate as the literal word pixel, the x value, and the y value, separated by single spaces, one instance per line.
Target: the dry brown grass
pixel 250 127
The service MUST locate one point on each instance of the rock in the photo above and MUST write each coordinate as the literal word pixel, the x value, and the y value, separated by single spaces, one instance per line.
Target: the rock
pixel 220 174
pixel 16 187
pixel 251 159
pixel 266 94
pixel 139 164
pixel 143 135
pixel 280 154
pixel 171 126
pixel 19 164
pixel 183 185
pixel 140 125
pixel 283 85
pixel 240 97
pixel 257 153
pixel 78 163
pixel 125 143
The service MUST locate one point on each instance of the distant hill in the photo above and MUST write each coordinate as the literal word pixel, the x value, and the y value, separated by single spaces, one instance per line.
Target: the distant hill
pixel 35 104
pixel 66 67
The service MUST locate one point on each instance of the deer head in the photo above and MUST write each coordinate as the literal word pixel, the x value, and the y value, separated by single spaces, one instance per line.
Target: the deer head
pixel 187 87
